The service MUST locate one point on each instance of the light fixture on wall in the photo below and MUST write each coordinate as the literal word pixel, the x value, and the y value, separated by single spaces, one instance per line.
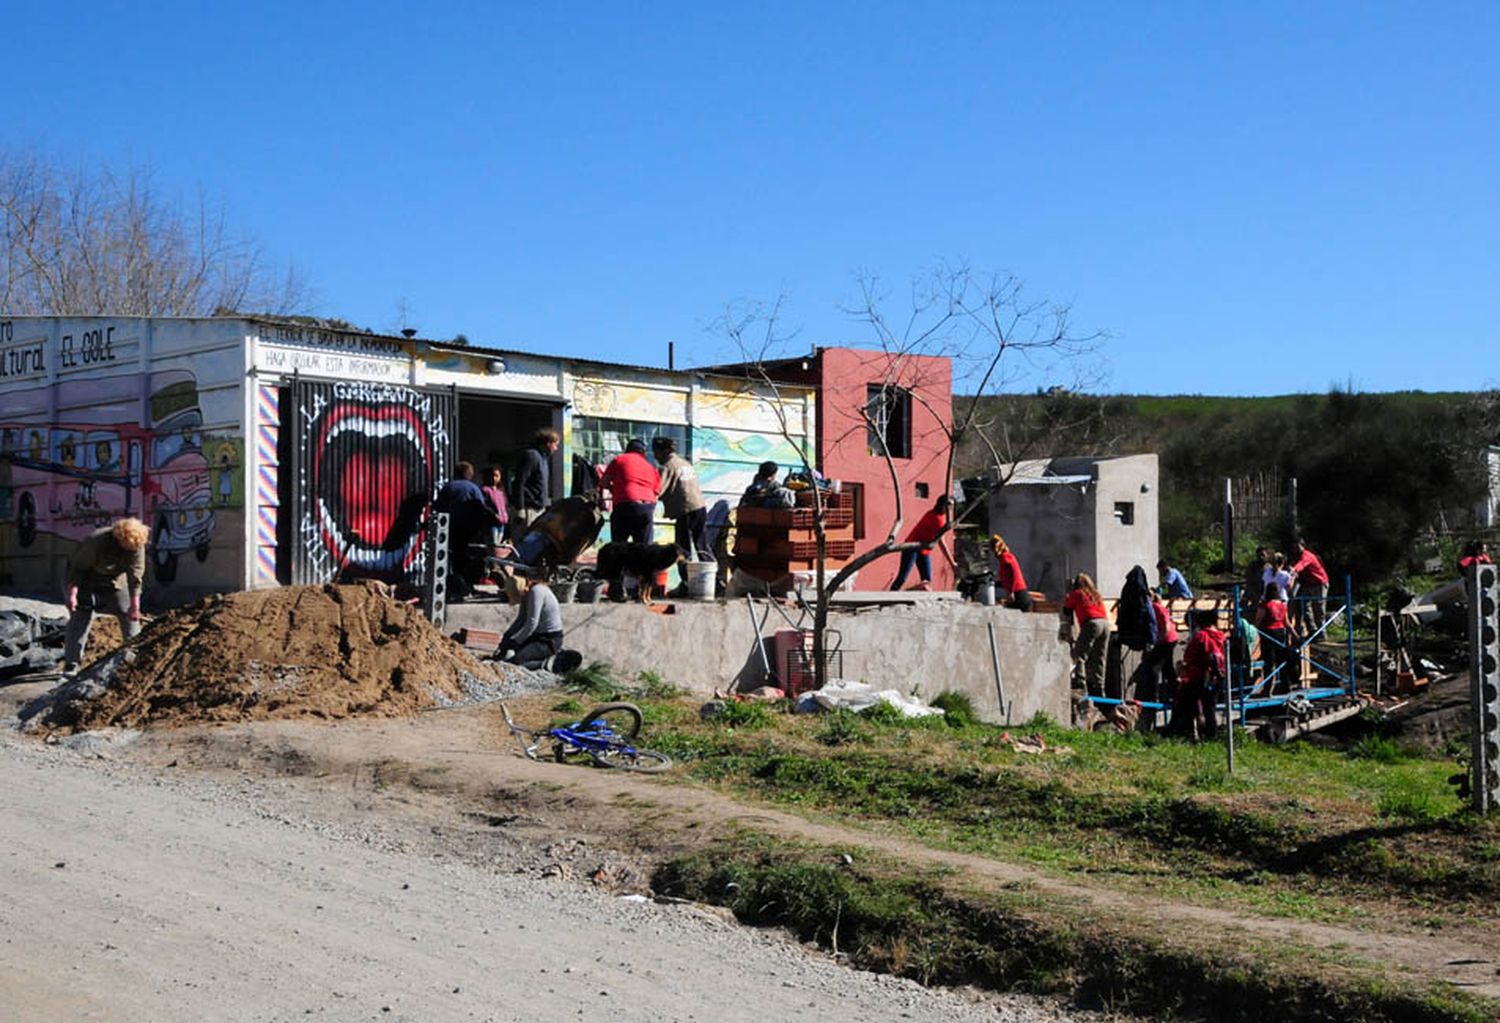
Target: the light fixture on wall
pixel 495 366
pixel 1145 488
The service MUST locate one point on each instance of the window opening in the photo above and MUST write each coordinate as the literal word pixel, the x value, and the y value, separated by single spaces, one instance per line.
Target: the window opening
pixel 889 411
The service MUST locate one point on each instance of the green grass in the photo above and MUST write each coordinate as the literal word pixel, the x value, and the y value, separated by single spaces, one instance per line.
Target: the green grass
pixel 1315 827
pixel 927 925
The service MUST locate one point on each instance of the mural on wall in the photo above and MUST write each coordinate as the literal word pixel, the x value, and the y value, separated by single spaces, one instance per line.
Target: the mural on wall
pixel 101 459
pixel 369 459
pixel 726 460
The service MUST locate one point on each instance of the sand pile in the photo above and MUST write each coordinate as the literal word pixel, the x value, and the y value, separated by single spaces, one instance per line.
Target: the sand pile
pixel 303 651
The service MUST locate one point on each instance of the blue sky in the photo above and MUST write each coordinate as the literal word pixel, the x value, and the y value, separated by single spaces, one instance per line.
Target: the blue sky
pixel 1250 199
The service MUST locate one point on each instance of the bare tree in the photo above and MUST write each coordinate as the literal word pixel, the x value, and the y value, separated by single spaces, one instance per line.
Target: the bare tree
pixel 96 242
pixel 985 324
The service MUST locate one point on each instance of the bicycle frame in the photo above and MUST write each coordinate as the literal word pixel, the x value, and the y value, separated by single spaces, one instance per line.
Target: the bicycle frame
pixel 596 739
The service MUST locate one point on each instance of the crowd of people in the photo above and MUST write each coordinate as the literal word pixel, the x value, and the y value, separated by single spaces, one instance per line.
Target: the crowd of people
pixel 1283 604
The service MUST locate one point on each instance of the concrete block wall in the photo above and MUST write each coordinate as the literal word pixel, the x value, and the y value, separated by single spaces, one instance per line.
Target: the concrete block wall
pixel 924 649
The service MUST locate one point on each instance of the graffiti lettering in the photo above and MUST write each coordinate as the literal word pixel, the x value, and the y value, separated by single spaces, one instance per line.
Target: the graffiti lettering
pixel 23 360
pixel 335 339
pixel 93 347
pixel 329 363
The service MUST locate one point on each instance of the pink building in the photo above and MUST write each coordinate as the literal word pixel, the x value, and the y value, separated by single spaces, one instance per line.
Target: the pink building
pixel 863 396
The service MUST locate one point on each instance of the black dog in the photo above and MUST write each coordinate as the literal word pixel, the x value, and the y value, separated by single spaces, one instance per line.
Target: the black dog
pixel 642 560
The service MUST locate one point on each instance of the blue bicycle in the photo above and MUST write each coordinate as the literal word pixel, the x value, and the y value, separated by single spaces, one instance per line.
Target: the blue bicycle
pixel 606 735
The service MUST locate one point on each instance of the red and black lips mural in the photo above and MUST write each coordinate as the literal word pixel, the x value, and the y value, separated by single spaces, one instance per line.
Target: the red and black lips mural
pixel 370 457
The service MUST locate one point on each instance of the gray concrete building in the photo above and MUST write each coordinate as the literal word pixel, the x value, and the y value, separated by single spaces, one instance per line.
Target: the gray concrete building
pixel 1062 516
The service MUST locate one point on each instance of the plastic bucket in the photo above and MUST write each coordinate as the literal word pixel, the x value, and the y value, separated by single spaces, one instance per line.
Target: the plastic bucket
pixel 564 591
pixel 589 591
pixel 700 578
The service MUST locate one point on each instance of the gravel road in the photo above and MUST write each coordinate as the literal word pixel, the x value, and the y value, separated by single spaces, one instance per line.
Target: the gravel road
pixel 126 895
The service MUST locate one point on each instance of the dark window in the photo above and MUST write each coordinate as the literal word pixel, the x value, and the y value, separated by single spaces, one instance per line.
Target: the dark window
pixel 599 440
pixel 922 491
pixel 1125 512
pixel 856 492
pixel 889 410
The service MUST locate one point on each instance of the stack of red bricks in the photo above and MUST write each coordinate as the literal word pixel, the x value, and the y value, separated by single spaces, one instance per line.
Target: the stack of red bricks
pixel 772 543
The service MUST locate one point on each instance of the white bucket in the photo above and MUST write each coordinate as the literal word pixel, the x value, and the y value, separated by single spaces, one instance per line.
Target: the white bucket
pixel 700 577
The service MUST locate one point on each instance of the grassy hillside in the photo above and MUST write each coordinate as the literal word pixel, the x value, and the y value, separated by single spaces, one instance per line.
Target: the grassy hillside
pixel 1376 472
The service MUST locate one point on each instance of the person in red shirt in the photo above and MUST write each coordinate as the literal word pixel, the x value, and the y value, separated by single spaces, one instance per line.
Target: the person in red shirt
pixel 1311 581
pixel 928 528
pixel 1091 642
pixel 1193 714
pixel 1476 553
pixel 1158 675
pixel 1008 578
pixel 633 483
pixel 1271 622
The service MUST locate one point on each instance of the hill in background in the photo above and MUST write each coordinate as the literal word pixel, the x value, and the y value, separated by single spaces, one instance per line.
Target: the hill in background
pixel 1378 475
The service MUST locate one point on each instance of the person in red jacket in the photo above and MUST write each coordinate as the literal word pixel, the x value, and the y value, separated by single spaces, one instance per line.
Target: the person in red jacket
pixel 1476 553
pixel 928 528
pixel 1311 581
pixel 1271 622
pixel 1193 714
pixel 1009 581
pixel 633 484
pixel 1158 675
pixel 1091 643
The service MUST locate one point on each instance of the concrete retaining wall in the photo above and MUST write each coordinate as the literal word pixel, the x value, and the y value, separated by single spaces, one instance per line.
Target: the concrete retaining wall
pixel 926 649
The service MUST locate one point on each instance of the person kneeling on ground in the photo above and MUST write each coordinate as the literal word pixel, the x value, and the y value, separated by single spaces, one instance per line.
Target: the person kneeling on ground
pixel 105 573
pixel 537 632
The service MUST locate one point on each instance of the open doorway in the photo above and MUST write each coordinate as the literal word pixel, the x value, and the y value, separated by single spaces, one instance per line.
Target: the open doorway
pixel 495 431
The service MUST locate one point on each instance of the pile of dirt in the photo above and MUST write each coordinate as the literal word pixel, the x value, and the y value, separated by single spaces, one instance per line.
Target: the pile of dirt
pixel 304 651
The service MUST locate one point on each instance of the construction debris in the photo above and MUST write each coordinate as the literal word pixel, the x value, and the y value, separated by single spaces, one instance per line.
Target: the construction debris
pixel 322 652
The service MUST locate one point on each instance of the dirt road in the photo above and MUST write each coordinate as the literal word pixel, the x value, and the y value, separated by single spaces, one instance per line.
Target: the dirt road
pixel 132 894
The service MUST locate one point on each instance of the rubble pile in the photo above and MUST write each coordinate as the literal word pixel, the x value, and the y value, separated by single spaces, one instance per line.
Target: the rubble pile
pixel 31 640
pixel 305 651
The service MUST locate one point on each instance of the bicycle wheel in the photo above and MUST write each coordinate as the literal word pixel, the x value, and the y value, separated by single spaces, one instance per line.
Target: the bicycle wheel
pixel 622 719
pixel 628 758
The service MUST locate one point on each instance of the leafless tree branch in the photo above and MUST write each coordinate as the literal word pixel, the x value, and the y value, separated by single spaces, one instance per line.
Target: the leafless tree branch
pixel 96 243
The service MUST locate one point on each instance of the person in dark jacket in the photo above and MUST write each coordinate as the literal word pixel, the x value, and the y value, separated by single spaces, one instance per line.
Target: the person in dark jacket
pixel 471 517
pixel 105 573
pixel 533 481
pixel 1134 620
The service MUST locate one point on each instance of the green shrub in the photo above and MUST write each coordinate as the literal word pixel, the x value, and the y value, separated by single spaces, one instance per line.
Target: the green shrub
pixel 1378 749
pixel 654 687
pixel 745 715
pixel 957 708
pixel 840 728
pixel 1413 805
pixel 883 713
pixel 596 679
pixel 568 706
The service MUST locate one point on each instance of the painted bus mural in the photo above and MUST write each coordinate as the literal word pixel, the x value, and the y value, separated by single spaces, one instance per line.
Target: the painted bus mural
pixel 67 478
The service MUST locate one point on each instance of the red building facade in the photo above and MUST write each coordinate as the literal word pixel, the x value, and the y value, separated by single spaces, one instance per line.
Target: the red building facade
pixel 864 396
